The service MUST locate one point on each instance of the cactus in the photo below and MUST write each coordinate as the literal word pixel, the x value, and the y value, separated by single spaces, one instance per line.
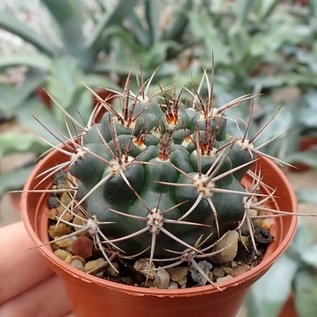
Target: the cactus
pixel 159 177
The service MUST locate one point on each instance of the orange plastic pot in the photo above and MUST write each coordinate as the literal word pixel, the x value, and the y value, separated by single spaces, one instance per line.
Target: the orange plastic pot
pixel 289 308
pixel 92 296
pixel 305 144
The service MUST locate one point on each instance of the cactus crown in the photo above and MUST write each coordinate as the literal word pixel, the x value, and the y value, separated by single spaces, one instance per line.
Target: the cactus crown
pixel 159 177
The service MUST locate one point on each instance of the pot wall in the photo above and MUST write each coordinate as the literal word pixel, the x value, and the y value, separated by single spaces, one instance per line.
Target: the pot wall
pixel 93 296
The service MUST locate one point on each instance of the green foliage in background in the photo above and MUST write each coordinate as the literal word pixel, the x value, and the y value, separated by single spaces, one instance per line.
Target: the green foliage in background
pixel 99 45
pixel 296 272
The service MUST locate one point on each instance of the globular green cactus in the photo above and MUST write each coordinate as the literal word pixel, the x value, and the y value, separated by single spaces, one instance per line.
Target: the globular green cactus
pixel 160 176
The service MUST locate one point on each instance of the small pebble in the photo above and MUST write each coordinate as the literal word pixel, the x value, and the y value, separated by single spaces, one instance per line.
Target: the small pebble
pixel 59 230
pixel 267 223
pixel 59 177
pixel 145 267
pixel 223 279
pixel 53 202
pixel 252 212
pixel 110 270
pixel 65 199
pixel 78 219
pixel 244 230
pixel 62 254
pixel 99 274
pixel 245 256
pixel 57 213
pixel 218 272
pixel 95 266
pixel 54 187
pixel 197 277
pixel 149 283
pixel 51 213
pixel 245 241
pixel 240 270
pixel 173 285
pixel 82 247
pixel 62 186
pixel 76 262
pixel 227 270
pixel 128 280
pixel 178 274
pixel 65 243
pixel 262 235
pixel 229 244
pixel 161 279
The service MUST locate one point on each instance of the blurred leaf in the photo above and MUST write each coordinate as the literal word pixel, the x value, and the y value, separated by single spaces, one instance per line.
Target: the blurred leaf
pixel 139 32
pixel 156 55
pixel 81 105
pixel 176 27
pixel 70 18
pixel 307 196
pixel 290 79
pixel 35 60
pixel 277 35
pixel 12 142
pixel 11 24
pixel 13 97
pixel 305 287
pixel 202 28
pixel 309 256
pixel 267 7
pixel 307 57
pixel 281 123
pixel 267 296
pixel 153 14
pixel 242 8
pixel 99 81
pixel 313 8
pixel 125 52
pixel 33 107
pixel 307 109
pixel 307 157
pixel 239 44
pixel 121 11
pixel 14 180
pixel 64 80
pixel 304 238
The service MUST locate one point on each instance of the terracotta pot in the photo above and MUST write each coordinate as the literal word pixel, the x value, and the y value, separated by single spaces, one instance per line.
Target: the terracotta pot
pixel 44 97
pixel 15 199
pixel 92 296
pixel 305 144
pixel 289 309
pixel 103 93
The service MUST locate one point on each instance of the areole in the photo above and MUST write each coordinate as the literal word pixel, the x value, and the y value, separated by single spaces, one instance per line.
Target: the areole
pixel 93 296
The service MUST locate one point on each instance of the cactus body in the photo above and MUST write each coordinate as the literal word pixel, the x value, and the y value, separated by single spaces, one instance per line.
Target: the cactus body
pixel 161 172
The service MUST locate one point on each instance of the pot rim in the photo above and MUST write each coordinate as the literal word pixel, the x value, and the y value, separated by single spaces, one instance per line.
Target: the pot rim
pixel 260 269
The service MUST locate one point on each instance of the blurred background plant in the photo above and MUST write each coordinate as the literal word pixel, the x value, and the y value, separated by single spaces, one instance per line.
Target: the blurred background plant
pixel 260 46
pixel 57 45
pixel 292 280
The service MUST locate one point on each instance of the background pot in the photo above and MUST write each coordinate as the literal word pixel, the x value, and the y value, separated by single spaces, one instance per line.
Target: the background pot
pixel 105 94
pixel 92 296
pixel 289 309
pixel 306 143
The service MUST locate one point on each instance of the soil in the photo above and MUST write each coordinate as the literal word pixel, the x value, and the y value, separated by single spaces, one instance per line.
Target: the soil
pixel 80 251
